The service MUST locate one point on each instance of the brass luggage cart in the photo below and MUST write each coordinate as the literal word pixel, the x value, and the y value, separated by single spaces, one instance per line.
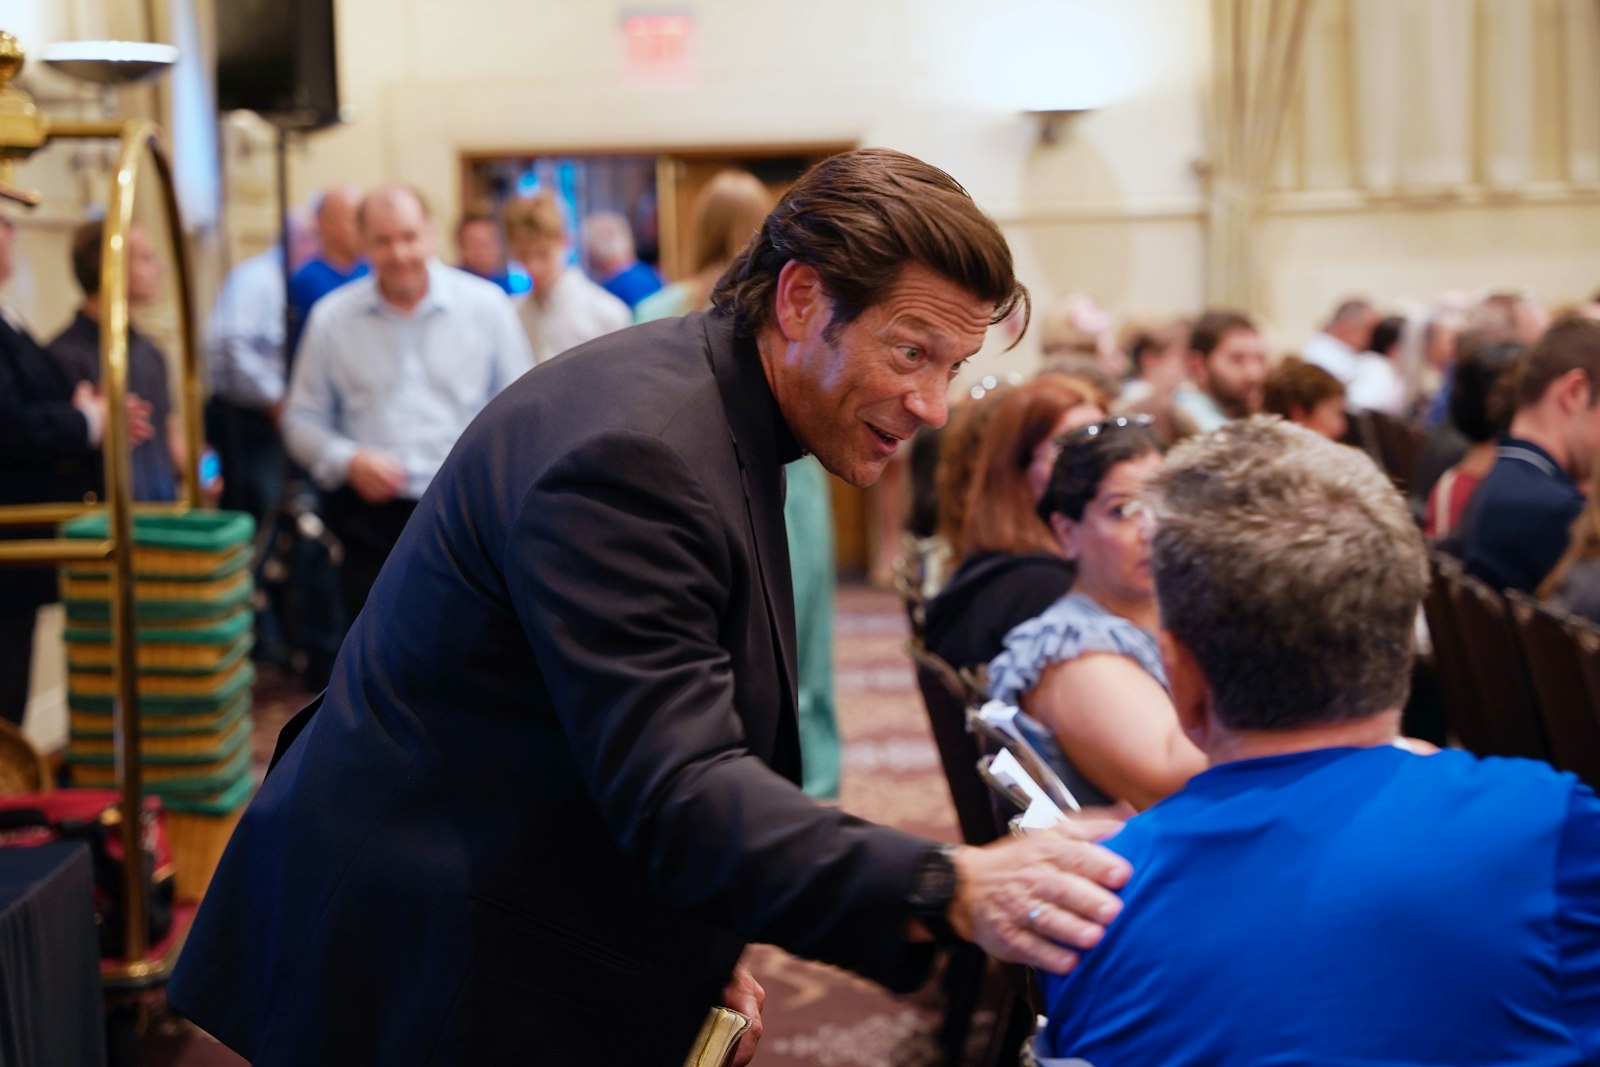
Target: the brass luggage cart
pixel 23 130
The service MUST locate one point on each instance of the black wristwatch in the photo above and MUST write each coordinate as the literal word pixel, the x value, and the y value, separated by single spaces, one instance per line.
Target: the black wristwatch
pixel 932 892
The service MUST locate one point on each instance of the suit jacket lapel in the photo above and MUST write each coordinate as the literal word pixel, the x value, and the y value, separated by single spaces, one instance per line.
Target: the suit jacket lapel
pixel 761 441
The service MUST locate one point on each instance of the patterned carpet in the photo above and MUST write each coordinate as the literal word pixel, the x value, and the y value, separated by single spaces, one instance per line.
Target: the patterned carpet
pixel 816 1016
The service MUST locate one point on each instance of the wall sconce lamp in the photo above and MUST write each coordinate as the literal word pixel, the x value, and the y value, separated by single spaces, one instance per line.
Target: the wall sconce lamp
pixel 1053 122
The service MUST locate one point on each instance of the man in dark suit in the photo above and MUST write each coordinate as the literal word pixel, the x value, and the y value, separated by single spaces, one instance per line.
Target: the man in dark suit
pixel 50 432
pixel 550 792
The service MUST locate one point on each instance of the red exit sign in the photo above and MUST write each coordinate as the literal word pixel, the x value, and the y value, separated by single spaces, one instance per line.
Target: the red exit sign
pixel 658 49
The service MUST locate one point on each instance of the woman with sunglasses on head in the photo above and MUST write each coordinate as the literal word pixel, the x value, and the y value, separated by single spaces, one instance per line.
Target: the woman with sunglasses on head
pixel 1010 565
pixel 1088 671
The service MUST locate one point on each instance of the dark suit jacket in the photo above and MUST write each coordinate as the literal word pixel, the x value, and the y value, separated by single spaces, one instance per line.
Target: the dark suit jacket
pixel 44 453
pixel 550 792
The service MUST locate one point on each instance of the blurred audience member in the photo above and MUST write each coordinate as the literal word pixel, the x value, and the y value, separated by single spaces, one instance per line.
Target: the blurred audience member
pixel 564 308
pixel 1088 669
pixel 1158 353
pixel 1227 367
pixel 1378 384
pixel 155 462
pixel 1306 395
pixel 338 259
pixel 1574 583
pixel 1011 566
pixel 1463 923
pixel 244 345
pixel 726 214
pixel 1076 324
pixel 959 443
pixel 51 429
pixel 608 247
pixel 1480 408
pixel 392 369
pixel 1336 346
pixel 1515 527
pixel 480 251
pixel 1431 386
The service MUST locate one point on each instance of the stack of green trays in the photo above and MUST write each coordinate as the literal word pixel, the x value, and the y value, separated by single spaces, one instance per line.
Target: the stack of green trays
pixel 193 623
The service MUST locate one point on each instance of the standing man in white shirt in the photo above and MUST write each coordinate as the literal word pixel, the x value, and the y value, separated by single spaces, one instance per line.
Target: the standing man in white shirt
pixel 565 309
pixel 391 369
pixel 1337 347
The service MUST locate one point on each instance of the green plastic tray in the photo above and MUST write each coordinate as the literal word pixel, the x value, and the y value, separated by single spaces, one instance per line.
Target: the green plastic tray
pixel 223 801
pixel 103 724
pixel 221 631
pixel 238 766
pixel 97 610
pixel 188 704
pixel 195 531
pixel 226 746
pixel 222 663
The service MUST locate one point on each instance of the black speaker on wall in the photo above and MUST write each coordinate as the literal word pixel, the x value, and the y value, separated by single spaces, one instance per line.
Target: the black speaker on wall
pixel 276 57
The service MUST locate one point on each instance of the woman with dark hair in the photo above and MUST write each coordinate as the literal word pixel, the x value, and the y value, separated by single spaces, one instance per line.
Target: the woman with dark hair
pixel 1088 671
pixel 1011 567
pixel 1481 409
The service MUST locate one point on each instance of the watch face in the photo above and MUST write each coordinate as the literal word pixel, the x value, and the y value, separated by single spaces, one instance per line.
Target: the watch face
pixel 936 882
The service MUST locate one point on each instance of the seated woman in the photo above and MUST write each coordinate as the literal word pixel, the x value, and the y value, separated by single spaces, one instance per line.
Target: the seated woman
pixel 1011 567
pixel 1480 408
pixel 1320 895
pixel 1088 670
pixel 1307 395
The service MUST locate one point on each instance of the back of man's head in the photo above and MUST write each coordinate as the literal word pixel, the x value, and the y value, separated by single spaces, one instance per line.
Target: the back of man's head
pixel 858 219
pixel 1571 344
pixel 1291 569
pixel 607 242
pixel 1214 324
pixel 86 242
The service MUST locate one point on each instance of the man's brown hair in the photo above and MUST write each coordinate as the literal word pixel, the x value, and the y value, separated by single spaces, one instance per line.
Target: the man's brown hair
pixel 1213 325
pixel 1571 344
pixel 86 240
pixel 858 219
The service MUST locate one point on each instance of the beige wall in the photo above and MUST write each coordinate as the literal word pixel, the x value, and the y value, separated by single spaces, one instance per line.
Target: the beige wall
pixel 1115 208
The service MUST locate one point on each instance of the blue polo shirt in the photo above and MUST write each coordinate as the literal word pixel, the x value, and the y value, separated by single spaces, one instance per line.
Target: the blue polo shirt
pixel 1520 518
pixel 1358 907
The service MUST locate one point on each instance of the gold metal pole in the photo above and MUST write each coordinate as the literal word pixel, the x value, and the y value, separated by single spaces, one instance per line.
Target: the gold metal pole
pixel 119 470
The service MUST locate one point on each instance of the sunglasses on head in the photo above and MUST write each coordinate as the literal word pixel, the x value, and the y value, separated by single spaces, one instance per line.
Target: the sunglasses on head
pixel 1081 434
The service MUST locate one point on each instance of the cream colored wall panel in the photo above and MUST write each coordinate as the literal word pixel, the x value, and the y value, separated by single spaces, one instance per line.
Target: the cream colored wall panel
pixel 1412 256
pixel 1581 42
pixel 1506 90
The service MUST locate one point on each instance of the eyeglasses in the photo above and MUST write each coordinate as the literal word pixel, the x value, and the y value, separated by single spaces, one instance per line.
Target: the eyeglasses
pixel 1081 434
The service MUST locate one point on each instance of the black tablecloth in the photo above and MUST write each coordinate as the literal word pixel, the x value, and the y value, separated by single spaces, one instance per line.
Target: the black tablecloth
pixel 50 1005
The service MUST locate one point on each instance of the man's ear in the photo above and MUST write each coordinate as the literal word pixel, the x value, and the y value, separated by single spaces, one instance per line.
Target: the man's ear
pixel 801 307
pixel 1572 388
pixel 1191 696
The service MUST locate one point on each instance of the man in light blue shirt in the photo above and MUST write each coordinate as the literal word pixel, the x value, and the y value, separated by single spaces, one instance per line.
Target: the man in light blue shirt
pixel 391 369
pixel 244 351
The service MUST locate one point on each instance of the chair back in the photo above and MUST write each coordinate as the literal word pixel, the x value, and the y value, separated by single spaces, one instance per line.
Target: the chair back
pixel 947 701
pixel 1399 445
pixel 1585 636
pixel 1507 698
pixel 910 576
pixel 1551 650
pixel 1462 702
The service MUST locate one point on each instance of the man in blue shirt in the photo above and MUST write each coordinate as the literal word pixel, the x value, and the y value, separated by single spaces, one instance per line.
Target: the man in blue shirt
pixel 613 262
pixel 1323 894
pixel 338 262
pixel 1517 524
pixel 392 368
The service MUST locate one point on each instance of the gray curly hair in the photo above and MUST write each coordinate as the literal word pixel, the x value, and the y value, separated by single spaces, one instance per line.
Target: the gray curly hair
pixel 1290 567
